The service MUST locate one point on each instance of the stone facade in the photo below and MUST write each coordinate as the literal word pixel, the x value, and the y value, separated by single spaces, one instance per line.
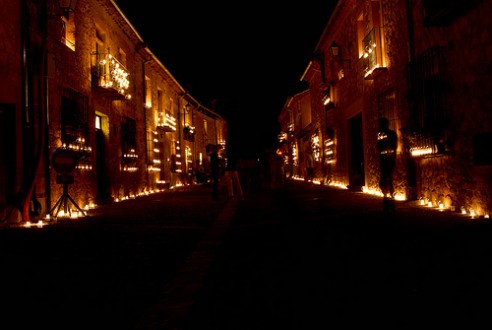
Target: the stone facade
pixel 90 92
pixel 425 66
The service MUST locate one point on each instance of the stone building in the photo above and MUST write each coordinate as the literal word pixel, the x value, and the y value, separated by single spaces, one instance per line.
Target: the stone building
pixel 88 113
pixel 298 134
pixel 424 65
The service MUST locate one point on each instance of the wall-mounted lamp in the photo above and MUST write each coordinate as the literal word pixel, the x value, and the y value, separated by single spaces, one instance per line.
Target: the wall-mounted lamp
pixel 65 7
pixel 187 110
pixel 336 53
pixel 188 129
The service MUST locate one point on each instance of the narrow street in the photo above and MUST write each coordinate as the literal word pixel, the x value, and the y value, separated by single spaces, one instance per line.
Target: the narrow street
pixel 320 258
pixel 305 257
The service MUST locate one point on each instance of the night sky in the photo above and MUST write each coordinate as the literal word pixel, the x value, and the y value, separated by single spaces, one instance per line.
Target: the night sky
pixel 240 59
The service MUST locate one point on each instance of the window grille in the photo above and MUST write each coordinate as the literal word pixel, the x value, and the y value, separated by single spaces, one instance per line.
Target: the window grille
pixel 428 94
pixel 428 88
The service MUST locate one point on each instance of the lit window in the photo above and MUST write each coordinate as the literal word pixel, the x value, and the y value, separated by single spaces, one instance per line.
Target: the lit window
pixel 68 37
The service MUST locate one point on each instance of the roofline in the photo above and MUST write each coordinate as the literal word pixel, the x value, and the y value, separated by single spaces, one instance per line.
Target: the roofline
pixel 156 60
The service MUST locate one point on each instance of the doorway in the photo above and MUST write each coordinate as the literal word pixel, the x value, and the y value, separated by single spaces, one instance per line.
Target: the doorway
pixel 103 180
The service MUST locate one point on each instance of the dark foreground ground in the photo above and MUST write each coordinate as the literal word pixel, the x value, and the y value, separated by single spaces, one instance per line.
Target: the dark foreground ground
pixel 305 257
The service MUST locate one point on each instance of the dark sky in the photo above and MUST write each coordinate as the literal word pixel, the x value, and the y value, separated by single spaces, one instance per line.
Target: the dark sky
pixel 247 56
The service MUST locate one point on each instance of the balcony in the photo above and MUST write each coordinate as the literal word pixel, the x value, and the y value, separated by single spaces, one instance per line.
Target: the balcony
pixel 189 133
pixel 373 54
pixel 166 123
pixel 110 77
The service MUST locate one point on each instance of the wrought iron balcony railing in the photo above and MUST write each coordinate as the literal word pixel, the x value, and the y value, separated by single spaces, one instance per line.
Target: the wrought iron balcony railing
pixel 373 53
pixel 166 122
pixel 109 75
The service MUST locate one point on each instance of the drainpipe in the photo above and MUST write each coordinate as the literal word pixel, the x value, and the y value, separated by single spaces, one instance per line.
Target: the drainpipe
pixel 181 126
pixel 33 146
pixel 411 38
pixel 142 49
pixel 24 98
pixel 26 184
pixel 47 175
pixel 145 123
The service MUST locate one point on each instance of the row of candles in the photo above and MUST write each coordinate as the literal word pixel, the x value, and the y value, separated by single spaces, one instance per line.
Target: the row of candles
pixel 75 214
pixel 424 202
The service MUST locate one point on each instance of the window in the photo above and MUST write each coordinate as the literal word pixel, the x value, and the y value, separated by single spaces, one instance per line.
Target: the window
pixel 74 118
pixel 129 145
pixel 128 135
pixel 75 127
pixel 100 41
pixel 122 57
pixel 171 108
pixel 98 123
pixel 148 92
pixel 360 35
pixel 108 73
pixel 305 104
pixel 427 91
pixel 428 107
pixel 68 37
pixel 160 115
pixel 373 49
pixel 160 106
pixel 98 54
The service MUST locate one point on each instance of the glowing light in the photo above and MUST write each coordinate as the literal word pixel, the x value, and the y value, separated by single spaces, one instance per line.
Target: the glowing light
pixel 315 145
pixel 400 197
pixel 420 151
pixel 112 74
